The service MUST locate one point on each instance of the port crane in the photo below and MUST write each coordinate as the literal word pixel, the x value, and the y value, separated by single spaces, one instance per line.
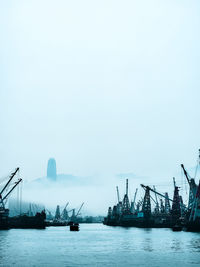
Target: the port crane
pixel 3 198
pixel 126 204
pixel 133 203
pixel 193 187
pixel 177 206
pixel 194 195
pixel 154 191
pixel 4 193
pixel 168 213
pixel 75 215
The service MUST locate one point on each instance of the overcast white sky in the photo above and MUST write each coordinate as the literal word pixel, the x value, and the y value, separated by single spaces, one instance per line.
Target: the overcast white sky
pixel 101 86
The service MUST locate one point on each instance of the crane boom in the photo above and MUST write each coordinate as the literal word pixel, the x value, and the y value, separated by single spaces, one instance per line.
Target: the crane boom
pixel 186 174
pixel 147 187
pixel 12 189
pixel 64 209
pixel 11 177
pixel 80 209
pixel 66 206
pixel 154 191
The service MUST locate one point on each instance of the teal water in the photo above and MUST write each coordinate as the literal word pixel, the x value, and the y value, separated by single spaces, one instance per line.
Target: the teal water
pixel 99 245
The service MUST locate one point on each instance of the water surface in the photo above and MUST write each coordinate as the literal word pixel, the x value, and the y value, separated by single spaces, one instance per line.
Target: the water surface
pixel 99 245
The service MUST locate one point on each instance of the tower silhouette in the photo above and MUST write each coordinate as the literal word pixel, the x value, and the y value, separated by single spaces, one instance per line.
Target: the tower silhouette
pixel 51 169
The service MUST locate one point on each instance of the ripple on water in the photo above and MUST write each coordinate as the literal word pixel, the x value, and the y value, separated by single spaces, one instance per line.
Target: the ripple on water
pixel 99 245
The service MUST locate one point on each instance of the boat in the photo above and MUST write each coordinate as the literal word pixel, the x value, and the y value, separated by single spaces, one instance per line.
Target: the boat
pixel 63 219
pixel 22 220
pixel 128 214
pixel 73 226
pixel 177 217
pixel 177 228
pixel 28 222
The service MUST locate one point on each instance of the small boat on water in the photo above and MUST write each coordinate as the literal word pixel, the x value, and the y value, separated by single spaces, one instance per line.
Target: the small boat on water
pixel 177 228
pixel 73 226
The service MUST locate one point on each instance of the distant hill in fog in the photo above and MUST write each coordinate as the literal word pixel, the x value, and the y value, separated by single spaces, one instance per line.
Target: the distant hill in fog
pixel 53 178
pixel 62 178
pixel 97 191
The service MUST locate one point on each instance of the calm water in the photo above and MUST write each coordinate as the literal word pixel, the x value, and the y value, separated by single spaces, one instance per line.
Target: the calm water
pixel 99 245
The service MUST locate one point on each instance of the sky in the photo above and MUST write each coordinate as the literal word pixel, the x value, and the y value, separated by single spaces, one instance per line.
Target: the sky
pixel 104 87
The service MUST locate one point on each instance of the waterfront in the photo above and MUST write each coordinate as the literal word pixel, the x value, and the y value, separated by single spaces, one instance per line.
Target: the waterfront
pixel 99 245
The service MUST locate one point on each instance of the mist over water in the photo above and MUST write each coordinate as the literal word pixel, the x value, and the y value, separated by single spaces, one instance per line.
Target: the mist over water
pixel 97 192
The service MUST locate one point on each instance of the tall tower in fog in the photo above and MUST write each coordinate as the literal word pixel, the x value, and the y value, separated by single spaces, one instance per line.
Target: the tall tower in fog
pixel 51 169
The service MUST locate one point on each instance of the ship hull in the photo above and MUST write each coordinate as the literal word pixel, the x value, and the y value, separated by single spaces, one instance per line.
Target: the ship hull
pixel 4 219
pixel 193 226
pixel 28 222
pixel 141 222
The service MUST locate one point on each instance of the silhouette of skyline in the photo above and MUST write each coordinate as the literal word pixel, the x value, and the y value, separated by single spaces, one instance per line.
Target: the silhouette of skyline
pixel 51 169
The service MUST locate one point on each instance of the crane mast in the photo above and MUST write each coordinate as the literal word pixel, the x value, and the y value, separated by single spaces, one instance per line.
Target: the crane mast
pixel 167 204
pixel 135 197
pixel 118 198
pixel 127 187
pixel 126 204
pixel 133 203
pixel 174 181
pixel 157 205
pixel 146 205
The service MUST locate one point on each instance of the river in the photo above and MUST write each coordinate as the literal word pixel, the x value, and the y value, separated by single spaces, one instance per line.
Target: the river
pixel 99 245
